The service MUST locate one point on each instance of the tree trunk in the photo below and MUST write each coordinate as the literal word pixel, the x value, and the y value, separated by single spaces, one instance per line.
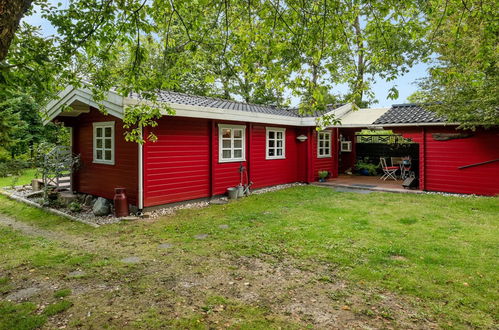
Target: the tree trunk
pixel 11 13
pixel 359 79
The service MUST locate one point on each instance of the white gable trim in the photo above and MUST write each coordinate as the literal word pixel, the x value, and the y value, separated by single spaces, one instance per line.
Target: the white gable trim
pixel 113 102
pixel 115 105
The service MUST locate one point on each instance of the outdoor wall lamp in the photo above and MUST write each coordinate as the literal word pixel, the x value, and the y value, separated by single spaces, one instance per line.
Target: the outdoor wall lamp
pixel 302 138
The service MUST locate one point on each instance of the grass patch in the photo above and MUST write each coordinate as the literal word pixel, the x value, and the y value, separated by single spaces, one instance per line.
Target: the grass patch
pixel 440 252
pixel 57 307
pixel 62 293
pixel 19 316
pixel 24 178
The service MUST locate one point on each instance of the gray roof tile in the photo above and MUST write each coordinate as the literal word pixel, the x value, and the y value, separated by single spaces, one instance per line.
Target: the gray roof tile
pixel 211 102
pixel 408 114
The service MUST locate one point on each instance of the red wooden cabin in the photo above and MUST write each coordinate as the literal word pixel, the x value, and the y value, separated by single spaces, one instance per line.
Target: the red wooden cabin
pixel 200 149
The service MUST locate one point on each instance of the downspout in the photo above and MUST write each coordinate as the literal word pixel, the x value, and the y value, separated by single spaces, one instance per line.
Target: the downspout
pixel 141 174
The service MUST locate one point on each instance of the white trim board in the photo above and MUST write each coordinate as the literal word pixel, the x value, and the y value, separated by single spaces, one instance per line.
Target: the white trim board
pixel 115 104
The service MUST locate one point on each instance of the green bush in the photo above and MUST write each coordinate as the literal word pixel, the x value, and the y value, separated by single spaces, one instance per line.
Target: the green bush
pixel 74 207
pixel 13 167
pixel 372 169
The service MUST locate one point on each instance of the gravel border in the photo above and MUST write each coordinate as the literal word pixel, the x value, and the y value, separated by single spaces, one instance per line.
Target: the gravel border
pixel 47 209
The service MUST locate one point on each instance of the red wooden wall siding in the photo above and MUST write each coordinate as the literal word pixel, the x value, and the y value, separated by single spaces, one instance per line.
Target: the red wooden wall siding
pixel 444 157
pixel 101 179
pixel 268 172
pixel 226 175
pixel 440 160
pixel 327 163
pixel 177 166
pixel 183 163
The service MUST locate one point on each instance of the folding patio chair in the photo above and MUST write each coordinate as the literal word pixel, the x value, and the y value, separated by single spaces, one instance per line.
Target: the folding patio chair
pixel 388 171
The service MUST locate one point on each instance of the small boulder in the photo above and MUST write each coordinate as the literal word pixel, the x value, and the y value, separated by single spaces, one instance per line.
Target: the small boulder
pixel 101 207
pixel 88 200
pixel 133 209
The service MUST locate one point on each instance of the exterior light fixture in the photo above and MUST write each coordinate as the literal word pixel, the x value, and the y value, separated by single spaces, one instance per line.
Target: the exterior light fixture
pixel 302 138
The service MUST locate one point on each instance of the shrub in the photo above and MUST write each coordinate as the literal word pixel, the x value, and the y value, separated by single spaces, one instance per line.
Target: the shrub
pixel 74 207
pixel 372 169
pixel 323 174
pixel 13 167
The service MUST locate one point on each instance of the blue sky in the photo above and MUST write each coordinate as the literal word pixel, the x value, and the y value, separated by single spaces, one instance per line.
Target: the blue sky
pixel 406 84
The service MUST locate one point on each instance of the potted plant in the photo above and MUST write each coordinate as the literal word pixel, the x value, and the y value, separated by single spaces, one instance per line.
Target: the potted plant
pixel 366 168
pixel 323 175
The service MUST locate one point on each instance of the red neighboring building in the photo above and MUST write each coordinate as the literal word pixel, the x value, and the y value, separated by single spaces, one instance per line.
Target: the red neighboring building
pixel 200 149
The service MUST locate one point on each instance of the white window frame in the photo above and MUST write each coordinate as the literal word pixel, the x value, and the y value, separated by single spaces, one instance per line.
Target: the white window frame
pixel 275 130
pixel 221 127
pixel 103 125
pixel 321 136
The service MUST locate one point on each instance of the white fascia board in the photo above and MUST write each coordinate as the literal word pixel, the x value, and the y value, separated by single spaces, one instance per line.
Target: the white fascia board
pixel 113 102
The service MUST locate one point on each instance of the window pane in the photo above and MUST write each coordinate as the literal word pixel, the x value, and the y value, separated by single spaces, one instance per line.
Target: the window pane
pixel 321 144
pixel 238 153
pixel 279 152
pixel 107 144
pixel 107 132
pixel 271 143
pixel 321 152
pixel 238 143
pixel 226 154
pixel 326 144
pixel 107 155
pixel 279 135
pixel 238 133
pixel 99 131
pixel 226 143
pixel 271 135
pixel 99 154
pixel 226 133
pixel 98 143
pixel 279 143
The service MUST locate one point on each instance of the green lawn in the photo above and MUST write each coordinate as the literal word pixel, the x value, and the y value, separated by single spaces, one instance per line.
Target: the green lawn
pixel 25 178
pixel 385 259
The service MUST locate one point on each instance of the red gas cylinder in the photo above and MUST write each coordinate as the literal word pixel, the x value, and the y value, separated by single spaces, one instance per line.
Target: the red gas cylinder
pixel 120 202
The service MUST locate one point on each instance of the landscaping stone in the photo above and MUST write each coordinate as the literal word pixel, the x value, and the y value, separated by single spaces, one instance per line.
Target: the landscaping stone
pixel 67 197
pixel 131 260
pixel 76 274
pixel 88 201
pixel 101 207
pixel 165 246
pixel 130 218
pixel 36 184
pixel 23 294
pixel 223 226
pixel 201 236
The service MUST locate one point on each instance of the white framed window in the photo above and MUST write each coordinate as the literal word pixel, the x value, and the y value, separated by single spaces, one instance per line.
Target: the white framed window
pixel 104 142
pixel 324 144
pixel 231 143
pixel 276 143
